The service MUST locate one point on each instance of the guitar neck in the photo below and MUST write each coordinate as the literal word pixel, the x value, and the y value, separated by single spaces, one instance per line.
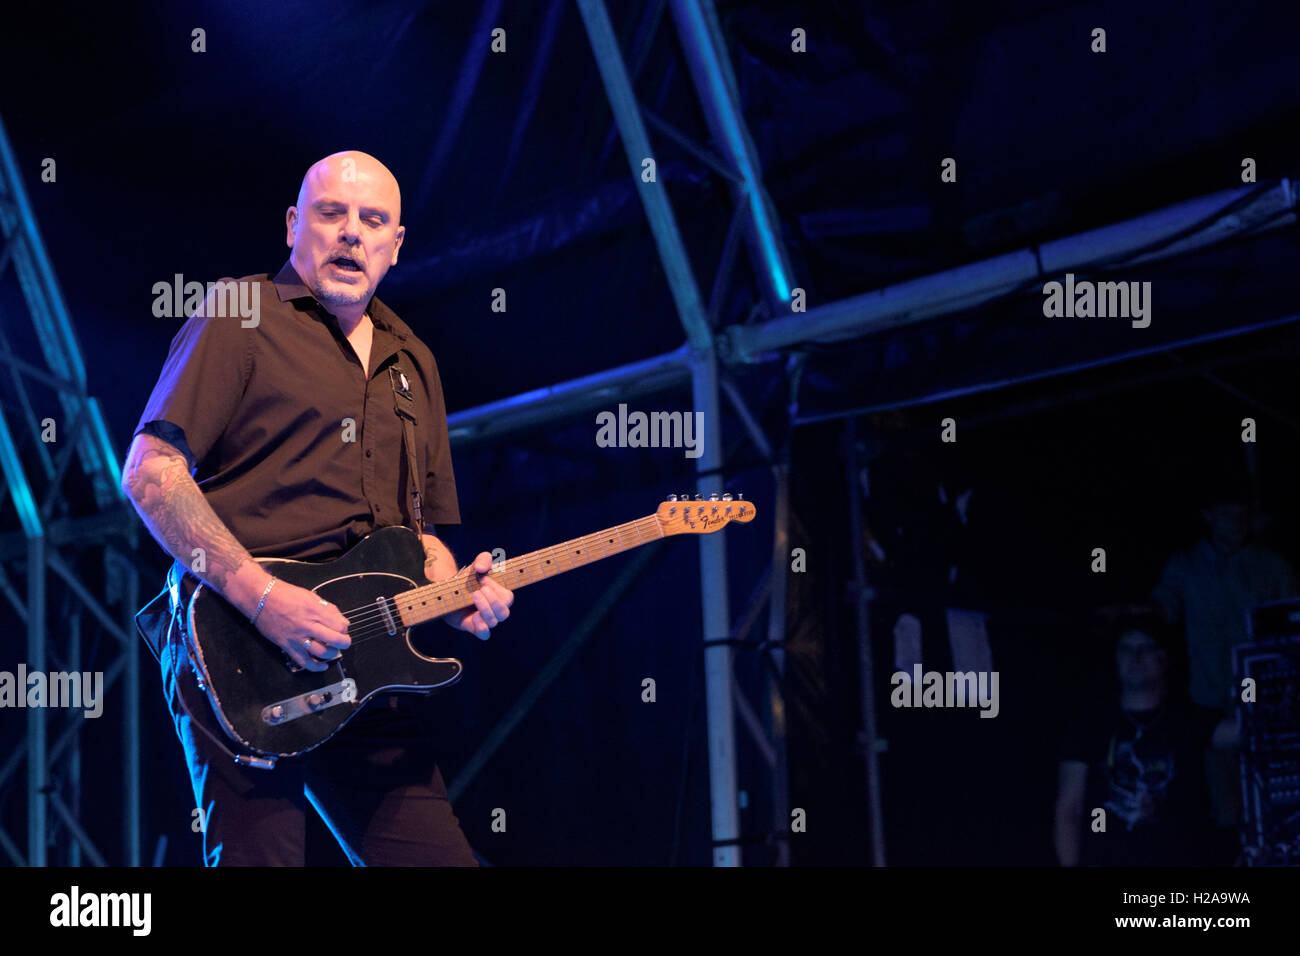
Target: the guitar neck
pixel 434 600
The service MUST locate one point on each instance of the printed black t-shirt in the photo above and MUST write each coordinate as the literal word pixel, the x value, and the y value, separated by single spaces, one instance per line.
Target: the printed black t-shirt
pixel 1146 769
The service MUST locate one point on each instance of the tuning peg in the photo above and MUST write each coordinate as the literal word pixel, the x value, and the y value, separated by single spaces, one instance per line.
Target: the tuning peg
pixel 699 497
pixel 672 497
pixel 714 496
pixel 740 496
pixel 726 496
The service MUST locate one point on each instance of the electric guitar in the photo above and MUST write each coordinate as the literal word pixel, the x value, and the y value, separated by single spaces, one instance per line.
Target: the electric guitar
pixel 270 706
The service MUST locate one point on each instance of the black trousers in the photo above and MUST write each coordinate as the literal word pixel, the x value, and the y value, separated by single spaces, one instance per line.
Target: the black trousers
pixel 376 784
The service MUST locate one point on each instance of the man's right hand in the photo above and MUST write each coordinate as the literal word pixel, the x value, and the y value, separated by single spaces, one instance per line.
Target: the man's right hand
pixel 157 479
pixel 309 629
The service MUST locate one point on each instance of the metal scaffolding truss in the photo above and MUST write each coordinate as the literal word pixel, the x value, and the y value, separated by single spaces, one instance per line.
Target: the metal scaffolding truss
pixel 72 521
pixel 733 156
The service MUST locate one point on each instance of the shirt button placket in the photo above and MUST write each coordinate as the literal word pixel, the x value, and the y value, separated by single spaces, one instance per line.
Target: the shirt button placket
pixel 367 461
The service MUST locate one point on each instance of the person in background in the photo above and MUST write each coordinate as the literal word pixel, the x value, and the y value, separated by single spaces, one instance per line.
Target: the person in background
pixel 1138 758
pixel 1208 589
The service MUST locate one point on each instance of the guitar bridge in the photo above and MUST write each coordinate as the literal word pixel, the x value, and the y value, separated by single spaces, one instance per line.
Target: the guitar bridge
pixel 313 702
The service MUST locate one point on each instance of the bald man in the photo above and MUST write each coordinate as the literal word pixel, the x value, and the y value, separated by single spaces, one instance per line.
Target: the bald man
pixel 280 439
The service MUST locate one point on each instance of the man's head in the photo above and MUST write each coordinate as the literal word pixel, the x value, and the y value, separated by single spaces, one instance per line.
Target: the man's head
pixel 1224 502
pixel 345 229
pixel 1228 523
pixel 1141 661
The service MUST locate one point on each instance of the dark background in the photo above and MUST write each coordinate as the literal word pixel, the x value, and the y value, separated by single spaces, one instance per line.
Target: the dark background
pixel 1074 434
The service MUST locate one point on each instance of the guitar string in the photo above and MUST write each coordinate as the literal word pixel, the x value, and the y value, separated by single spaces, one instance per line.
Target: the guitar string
pixel 373 626
pixel 373 616
pixel 529 563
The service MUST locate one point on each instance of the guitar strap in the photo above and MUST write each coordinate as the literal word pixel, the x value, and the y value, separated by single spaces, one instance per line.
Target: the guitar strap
pixel 404 403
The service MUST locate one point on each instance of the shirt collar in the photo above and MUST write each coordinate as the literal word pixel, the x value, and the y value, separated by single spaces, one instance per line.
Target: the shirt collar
pixel 289 286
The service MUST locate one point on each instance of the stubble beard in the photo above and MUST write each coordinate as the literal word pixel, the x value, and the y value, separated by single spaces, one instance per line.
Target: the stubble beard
pixel 340 297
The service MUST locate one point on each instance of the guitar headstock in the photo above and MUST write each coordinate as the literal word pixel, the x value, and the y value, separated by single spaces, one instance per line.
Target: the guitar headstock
pixel 683 515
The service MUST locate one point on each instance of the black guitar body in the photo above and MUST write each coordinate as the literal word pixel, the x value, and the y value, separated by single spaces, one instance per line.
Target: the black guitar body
pixel 247 678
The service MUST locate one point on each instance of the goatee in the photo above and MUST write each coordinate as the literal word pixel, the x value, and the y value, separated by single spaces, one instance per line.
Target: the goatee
pixel 341 298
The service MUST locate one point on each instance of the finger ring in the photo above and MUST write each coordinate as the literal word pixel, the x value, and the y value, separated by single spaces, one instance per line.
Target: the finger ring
pixel 323 601
pixel 306 642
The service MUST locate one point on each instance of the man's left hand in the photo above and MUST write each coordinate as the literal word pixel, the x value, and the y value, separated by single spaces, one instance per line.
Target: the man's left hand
pixel 491 603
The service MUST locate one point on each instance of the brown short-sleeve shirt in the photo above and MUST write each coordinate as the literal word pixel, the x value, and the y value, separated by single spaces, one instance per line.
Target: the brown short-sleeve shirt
pixel 296 450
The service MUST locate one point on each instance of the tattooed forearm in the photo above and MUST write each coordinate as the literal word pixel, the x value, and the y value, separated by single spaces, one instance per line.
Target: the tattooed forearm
pixel 180 518
pixel 439 564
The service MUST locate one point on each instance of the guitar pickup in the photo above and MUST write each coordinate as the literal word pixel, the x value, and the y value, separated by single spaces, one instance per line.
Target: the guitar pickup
pixel 387 615
pixel 313 702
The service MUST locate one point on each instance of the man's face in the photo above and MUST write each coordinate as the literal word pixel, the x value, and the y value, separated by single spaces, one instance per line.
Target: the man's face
pixel 1229 526
pixel 345 231
pixel 1139 660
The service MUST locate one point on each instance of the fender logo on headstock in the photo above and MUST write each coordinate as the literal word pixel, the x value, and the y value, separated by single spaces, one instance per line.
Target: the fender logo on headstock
pixel 703 521
pixel 683 516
